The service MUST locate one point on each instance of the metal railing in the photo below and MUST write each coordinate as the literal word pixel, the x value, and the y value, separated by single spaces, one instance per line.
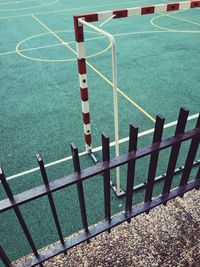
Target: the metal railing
pixel 103 168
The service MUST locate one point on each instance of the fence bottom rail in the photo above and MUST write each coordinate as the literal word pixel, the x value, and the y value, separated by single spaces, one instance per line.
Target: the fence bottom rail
pixel 106 225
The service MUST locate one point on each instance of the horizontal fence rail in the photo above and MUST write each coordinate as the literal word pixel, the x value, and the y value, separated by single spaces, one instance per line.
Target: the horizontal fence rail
pixel 103 168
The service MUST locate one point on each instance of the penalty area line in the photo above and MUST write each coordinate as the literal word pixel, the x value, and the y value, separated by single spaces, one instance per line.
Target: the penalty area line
pixel 96 149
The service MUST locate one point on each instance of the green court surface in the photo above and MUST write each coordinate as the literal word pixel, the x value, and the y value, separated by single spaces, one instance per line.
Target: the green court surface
pixel 158 72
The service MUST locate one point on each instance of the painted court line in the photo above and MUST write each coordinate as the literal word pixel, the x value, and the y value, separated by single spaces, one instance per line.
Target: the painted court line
pixel 173 17
pixel 30 49
pixel 181 19
pixel 16 2
pixel 98 72
pixel 54 34
pixel 33 7
pixel 168 125
pixel 20 53
pixel 100 37
pixel 123 94
pixel 97 149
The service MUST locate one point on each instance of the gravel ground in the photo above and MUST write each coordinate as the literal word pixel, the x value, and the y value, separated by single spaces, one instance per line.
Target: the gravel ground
pixel 168 237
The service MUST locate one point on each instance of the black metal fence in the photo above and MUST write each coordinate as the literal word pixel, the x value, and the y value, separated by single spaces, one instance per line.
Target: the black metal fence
pixel 104 168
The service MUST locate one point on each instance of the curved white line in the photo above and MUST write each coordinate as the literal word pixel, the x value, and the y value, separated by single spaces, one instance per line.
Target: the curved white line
pixel 25 8
pixel 100 37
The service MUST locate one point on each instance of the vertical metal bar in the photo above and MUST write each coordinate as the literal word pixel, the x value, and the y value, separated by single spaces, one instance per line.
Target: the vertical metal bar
pixel 182 120
pixel 19 215
pixel 5 258
pixel 115 89
pixel 198 177
pixel 50 198
pixel 106 176
pixel 116 111
pixel 190 157
pixel 133 136
pixel 154 159
pixel 77 168
pixel 198 174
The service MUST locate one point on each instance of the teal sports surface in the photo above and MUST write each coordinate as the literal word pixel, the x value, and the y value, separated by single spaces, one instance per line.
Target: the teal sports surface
pixel 40 112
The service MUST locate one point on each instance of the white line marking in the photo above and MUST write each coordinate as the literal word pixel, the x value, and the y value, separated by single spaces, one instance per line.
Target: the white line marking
pixel 16 2
pixel 97 38
pixel 30 49
pixel 25 8
pixel 168 125
pixel 97 149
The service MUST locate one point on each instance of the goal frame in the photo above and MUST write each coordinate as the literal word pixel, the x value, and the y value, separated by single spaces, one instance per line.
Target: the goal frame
pixel 87 19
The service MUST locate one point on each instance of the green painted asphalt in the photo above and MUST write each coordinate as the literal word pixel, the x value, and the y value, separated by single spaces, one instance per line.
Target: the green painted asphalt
pixel 40 109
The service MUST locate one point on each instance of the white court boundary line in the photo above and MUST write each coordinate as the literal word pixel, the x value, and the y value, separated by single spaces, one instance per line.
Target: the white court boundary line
pixel 100 37
pixel 15 2
pixel 33 7
pixel 96 149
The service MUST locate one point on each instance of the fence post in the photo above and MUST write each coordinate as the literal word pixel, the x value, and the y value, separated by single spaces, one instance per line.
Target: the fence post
pixel 190 158
pixel 19 215
pixel 154 159
pixel 77 168
pixel 106 177
pixel 133 137
pixel 198 177
pixel 182 120
pixel 5 258
pixel 50 197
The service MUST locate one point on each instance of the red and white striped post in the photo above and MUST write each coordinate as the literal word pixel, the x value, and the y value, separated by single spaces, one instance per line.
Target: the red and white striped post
pixel 80 46
pixel 107 15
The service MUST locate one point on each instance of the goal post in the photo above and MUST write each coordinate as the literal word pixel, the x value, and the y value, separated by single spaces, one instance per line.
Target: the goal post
pixel 82 20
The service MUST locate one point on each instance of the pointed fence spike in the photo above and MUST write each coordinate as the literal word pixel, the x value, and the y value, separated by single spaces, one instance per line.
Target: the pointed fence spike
pixel 182 120
pixel 5 185
pixel 19 215
pixel 180 128
pixel 190 158
pixel 157 137
pixel 79 184
pixel 133 137
pixel 75 157
pixel 198 177
pixel 5 258
pixel 50 198
pixel 198 122
pixel 42 169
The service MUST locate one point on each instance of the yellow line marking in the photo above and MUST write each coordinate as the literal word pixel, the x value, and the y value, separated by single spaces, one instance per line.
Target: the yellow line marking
pixel 173 30
pixel 122 93
pixel 54 34
pixel 19 51
pixel 185 20
pixel 91 39
pixel 98 72
pixel 160 27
